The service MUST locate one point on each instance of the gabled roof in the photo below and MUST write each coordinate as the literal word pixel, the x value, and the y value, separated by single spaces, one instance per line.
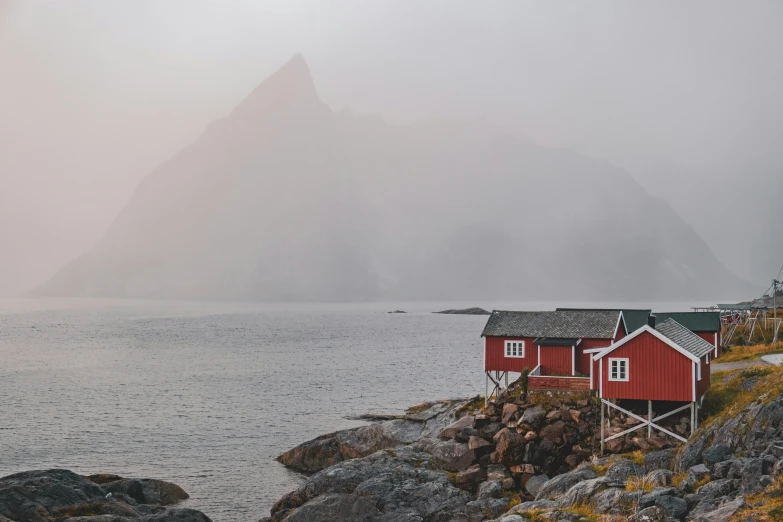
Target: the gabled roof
pixel 693 321
pixel 591 324
pixel 684 337
pixel 633 318
pixel 672 333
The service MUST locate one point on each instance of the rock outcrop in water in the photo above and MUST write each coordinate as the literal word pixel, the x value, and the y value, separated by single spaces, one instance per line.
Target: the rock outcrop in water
pixel 61 495
pixel 496 466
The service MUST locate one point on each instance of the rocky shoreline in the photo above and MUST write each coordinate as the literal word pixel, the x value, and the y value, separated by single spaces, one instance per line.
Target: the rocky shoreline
pixel 61 495
pixel 522 459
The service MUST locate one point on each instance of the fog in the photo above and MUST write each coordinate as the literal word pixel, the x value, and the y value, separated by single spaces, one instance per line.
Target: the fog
pixel 95 95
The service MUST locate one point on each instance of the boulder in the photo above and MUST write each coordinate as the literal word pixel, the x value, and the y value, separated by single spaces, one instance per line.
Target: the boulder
pixel 490 489
pixel 148 491
pixel 329 449
pixel 533 416
pixel 479 445
pixel 534 483
pixel 41 496
pixel 616 501
pixel 510 447
pixel 722 513
pixel 715 454
pixel 452 430
pixel 691 453
pixel 662 459
pixel 659 477
pixel 470 479
pixel 582 491
pixel 371 488
pixel 558 485
pixel 497 472
pixel 717 488
pixel 553 432
pixel 621 469
pixel 509 412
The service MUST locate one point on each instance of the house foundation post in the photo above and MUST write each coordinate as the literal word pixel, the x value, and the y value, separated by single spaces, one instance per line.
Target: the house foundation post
pixel 486 389
pixel 693 416
pixel 649 419
pixel 602 428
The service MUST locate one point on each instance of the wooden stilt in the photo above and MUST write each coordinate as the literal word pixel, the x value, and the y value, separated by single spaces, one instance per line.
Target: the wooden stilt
pixel 649 419
pixel 693 405
pixel 602 428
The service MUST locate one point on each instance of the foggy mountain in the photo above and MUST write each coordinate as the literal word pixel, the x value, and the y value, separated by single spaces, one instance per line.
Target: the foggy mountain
pixel 285 199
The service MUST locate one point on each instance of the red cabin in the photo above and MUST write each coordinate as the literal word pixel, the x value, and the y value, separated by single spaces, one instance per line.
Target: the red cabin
pixel 556 347
pixel 668 363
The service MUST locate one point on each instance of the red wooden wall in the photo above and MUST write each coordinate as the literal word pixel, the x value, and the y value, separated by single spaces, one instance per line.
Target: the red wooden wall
pixel 656 372
pixel 556 360
pixel 583 359
pixel 710 338
pixel 495 356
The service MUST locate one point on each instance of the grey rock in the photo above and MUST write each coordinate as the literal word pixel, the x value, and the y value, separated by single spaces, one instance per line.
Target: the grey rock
pixel 480 509
pixel 691 453
pixel 651 514
pixel 621 469
pixel 534 483
pixel 533 416
pixel 673 506
pixel 651 498
pixel 451 431
pixel 398 485
pixel 616 501
pixel 40 496
pixel 661 459
pixel 490 489
pixel 716 453
pixel 659 477
pixel 581 492
pixel 534 505
pixel 723 512
pixel 717 488
pixel 560 484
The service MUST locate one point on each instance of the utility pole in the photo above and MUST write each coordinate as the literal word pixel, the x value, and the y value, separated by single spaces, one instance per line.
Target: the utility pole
pixel 775 284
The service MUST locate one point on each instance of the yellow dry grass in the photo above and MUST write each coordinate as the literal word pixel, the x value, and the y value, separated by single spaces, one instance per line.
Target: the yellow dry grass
pixel 732 391
pixel 745 353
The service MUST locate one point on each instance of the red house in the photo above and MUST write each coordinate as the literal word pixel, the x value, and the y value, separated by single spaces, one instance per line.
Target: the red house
pixel 556 347
pixel 704 324
pixel 666 363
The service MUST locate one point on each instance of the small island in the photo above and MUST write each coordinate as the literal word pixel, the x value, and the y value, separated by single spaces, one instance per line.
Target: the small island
pixel 465 311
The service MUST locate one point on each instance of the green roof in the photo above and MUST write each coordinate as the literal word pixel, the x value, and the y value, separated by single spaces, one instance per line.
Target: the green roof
pixel 635 319
pixel 693 321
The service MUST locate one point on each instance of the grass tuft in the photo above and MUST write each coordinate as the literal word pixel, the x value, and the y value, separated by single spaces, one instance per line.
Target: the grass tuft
pixel 745 353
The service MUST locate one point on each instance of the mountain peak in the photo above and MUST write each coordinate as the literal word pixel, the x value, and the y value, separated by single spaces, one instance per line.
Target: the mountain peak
pixel 289 86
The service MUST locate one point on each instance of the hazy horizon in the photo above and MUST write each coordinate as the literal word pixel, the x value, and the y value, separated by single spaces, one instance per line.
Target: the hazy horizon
pixel 101 94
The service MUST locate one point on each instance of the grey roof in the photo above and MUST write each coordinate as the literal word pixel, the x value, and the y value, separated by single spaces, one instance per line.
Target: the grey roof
pixel 590 324
pixel 633 318
pixel 684 338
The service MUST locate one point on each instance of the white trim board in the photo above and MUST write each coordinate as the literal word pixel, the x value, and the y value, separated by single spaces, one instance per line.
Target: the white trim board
pixel 617 328
pixel 656 333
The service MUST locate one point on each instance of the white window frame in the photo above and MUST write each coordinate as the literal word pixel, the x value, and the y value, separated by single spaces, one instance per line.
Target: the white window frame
pixel 623 360
pixel 508 351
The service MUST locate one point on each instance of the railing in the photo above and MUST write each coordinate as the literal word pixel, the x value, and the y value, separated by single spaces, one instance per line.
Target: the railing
pixel 536 371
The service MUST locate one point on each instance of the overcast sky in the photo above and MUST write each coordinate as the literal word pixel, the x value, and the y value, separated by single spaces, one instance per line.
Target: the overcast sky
pixel 94 94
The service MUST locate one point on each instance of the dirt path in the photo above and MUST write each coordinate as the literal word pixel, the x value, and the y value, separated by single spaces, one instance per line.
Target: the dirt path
pixel 720 367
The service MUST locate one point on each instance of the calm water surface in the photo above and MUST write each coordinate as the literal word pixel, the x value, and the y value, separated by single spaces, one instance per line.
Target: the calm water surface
pixel 207 395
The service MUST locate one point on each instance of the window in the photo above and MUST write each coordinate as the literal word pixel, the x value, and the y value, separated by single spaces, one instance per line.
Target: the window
pixel 618 369
pixel 515 348
pixel 698 370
